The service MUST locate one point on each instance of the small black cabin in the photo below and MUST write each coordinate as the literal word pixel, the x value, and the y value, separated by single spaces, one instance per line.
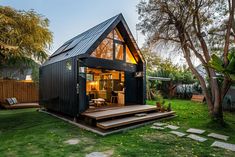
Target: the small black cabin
pixel 102 66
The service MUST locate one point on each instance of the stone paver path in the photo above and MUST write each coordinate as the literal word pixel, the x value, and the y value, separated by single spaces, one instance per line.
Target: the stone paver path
pixel 224 145
pixel 196 138
pixel 218 136
pixel 173 127
pixel 157 127
pixel 72 141
pixel 177 133
pixel 96 154
pixel 195 131
pixel 159 124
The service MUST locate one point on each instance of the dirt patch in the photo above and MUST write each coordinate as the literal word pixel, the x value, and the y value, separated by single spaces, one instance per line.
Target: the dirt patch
pixel 89 148
pixel 109 153
pixel 72 141
pixel 88 141
pixel 152 137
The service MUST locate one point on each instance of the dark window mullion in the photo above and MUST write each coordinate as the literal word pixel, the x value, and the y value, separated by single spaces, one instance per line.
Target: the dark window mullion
pixel 124 52
pixel 114 50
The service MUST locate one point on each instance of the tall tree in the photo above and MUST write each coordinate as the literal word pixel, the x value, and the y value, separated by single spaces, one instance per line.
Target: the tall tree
pixel 23 34
pixel 187 24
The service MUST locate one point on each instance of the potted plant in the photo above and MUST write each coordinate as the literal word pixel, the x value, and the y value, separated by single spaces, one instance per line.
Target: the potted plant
pixel 158 105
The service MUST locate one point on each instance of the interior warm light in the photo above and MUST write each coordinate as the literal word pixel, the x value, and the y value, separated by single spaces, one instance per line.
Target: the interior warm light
pixel 28 77
pixel 129 56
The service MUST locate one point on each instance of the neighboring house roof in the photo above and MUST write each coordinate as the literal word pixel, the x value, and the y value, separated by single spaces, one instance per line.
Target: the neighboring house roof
pixel 82 44
pixel 202 71
pixel 15 73
pixel 158 78
pixel 200 68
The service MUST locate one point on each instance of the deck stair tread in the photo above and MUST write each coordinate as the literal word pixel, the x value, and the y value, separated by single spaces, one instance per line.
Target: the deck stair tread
pixel 125 110
pixel 132 119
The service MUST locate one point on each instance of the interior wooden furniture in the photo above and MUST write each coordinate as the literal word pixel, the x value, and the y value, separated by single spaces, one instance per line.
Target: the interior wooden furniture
pixel 106 86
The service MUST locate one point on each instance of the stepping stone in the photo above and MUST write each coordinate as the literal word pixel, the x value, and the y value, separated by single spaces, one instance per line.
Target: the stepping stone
pixel 172 127
pixel 157 127
pixel 224 145
pixel 72 141
pixel 218 136
pixel 195 131
pixel 179 134
pixel 159 124
pixel 96 154
pixel 196 138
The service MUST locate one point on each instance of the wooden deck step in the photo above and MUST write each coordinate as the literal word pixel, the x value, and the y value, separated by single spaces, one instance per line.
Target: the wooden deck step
pixel 133 119
pixel 125 110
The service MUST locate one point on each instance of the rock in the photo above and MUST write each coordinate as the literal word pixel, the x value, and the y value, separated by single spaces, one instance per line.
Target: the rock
pixel 224 145
pixel 159 124
pixel 218 136
pixel 196 138
pixel 96 154
pixel 72 141
pixel 180 134
pixel 195 131
pixel 157 127
pixel 172 127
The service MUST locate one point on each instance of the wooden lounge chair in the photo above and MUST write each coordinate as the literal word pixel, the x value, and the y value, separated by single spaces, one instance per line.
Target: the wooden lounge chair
pixel 19 105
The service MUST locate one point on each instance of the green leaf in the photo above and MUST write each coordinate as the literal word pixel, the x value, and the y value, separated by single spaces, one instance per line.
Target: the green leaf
pixel 232 76
pixel 231 66
pixel 216 63
pixel 231 54
pixel 216 59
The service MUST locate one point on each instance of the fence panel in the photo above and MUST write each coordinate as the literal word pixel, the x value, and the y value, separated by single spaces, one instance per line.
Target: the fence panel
pixel 24 91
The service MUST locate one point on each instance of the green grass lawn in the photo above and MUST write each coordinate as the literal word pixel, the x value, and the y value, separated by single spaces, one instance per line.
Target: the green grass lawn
pixel 27 132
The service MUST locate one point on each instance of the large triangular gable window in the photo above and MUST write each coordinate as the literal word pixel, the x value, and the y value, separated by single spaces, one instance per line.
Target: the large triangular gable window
pixel 104 50
pixel 129 56
pixel 113 47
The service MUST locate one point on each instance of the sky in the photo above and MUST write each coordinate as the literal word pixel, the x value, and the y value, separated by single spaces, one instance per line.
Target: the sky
pixel 69 18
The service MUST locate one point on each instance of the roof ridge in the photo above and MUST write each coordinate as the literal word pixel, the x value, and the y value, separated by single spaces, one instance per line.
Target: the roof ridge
pixel 83 35
pixel 93 27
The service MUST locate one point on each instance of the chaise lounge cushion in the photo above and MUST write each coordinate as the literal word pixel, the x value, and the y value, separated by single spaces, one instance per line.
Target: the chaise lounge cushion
pixel 9 101
pixel 14 100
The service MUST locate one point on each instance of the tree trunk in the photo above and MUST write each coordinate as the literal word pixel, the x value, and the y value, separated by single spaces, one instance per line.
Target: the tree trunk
pixel 214 104
pixel 217 115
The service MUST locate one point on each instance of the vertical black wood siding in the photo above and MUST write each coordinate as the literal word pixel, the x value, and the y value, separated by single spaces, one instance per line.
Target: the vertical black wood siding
pixel 58 92
pixel 58 87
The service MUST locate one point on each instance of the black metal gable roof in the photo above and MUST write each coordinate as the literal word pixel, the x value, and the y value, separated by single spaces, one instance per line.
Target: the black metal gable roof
pixel 83 44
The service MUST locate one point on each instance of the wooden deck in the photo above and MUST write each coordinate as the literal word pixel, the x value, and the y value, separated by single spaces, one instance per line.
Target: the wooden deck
pixel 119 111
pixel 123 116
pixel 133 119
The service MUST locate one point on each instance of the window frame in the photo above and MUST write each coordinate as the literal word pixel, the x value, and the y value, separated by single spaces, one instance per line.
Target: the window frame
pixel 114 50
pixel 114 42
